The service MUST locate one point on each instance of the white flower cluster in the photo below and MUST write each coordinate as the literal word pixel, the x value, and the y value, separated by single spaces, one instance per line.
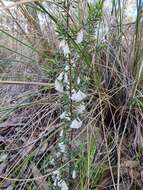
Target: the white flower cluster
pixel 78 96
pixel 58 181
pixel 76 124
pixel 63 81
pixel 65 115
pixel 62 85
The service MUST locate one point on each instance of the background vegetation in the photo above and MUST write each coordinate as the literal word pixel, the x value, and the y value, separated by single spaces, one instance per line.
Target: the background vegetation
pixel 71 95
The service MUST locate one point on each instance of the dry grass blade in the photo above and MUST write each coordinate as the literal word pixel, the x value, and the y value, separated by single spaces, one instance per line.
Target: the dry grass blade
pixel 18 3
pixel 25 83
pixel 41 183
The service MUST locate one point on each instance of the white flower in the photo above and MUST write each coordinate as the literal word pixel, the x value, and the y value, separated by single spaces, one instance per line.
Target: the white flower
pixel 59 86
pixel 3 157
pixel 80 108
pixel 66 68
pixel 79 38
pixel 62 44
pixel 56 175
pixel 58 181
pixel 66 78
pixel 61 76
pixel 66 50
pixel 78 80
pixel 78 96
pixel 62 147
pixel 74 174
pixel 52 161
pixel 73 91
pixel 76 124
pixel 64 115
pixel 64 47
pixel 58 154
pixel 62 184
pixel 61 133
pixel 55 182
